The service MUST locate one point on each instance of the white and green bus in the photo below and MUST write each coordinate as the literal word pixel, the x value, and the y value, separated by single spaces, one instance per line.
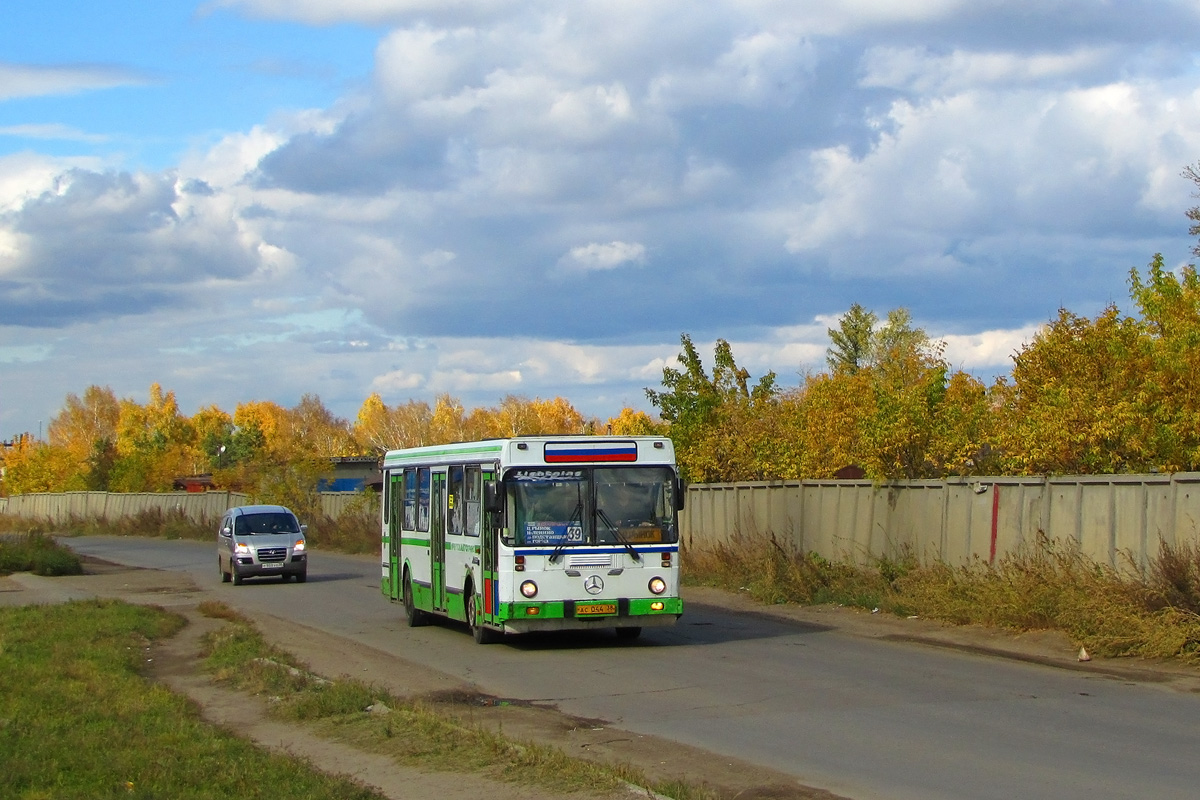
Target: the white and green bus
pixel 537 533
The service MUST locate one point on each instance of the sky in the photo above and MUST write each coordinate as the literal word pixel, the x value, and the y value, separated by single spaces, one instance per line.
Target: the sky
pixel 256 199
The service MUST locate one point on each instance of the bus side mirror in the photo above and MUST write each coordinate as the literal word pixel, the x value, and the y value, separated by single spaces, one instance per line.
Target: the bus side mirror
pixel 680 493
pixel 493 497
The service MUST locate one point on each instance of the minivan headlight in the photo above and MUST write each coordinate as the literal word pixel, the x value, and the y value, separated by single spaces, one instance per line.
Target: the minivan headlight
pixel 242 549
pixel 298 547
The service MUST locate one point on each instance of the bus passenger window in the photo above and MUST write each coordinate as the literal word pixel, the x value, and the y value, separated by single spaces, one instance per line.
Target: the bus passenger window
pixel 423 499
pixel 473 504
pixel 410 500
pixel 454 501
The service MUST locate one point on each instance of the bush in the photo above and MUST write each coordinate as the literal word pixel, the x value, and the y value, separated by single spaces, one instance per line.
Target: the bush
pixel 37 553
pixel 1048 585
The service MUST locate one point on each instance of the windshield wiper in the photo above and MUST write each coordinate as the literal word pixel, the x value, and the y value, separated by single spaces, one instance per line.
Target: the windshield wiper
pixel 576 515
pixel 617 533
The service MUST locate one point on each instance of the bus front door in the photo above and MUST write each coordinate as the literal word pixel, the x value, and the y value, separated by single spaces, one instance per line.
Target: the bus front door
pixel 437 540
pixel 395 514
pixel 491 587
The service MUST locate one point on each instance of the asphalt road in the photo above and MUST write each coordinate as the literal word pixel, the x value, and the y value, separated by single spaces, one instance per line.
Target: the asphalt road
pixel 860 717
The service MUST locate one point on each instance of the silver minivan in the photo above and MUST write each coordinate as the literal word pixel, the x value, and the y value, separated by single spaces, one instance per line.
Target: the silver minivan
pixel 257 541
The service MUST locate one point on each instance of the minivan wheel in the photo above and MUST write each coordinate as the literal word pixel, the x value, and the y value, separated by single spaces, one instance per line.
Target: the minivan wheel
pixel 224 574
pixel 237 578
pixel 301 576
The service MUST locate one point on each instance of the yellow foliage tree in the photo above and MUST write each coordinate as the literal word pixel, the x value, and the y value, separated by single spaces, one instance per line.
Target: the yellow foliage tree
pixel 631 422
pixel 379 428
pixel 448 422
pixel 155 444
pixel 1077 402
pixel 85 421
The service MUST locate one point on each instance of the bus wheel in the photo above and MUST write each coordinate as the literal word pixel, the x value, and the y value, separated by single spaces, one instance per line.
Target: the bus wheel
pixel 482 634
pixel 416 617
pixel 629 633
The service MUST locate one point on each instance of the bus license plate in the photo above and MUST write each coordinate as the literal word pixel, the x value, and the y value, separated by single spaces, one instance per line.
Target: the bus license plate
pixel 595 608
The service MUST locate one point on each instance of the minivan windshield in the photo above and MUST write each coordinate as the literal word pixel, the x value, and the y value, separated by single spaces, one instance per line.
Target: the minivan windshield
pixel 592 505
pixel 266 522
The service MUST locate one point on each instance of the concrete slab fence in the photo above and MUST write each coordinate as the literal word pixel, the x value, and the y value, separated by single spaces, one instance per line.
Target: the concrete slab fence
pixel 196 506
pixel 1119 520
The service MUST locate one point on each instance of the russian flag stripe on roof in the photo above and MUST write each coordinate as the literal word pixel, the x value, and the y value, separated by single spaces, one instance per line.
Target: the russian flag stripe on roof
pixel 560 452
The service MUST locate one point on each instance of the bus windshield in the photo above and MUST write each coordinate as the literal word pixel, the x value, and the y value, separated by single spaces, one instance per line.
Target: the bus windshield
pixel 583 506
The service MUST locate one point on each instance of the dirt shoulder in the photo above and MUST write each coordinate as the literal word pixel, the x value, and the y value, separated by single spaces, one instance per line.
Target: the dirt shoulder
pixel 177 663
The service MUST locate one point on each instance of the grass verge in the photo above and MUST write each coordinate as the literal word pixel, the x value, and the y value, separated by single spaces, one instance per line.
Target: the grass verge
pixel 78 721
pixel 410 732
pixel 355 531
pixel 36 553
pixel 1047 586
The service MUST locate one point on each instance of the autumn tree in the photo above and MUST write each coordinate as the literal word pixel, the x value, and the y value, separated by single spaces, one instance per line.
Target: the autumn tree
pixel 631 422
pixel 448 421
pixel 823 424
pixel 1077 400
pixel 86 429
pixel 711 418
pixel 155 444
pixel 42 467
pixel 1170 389
pixel 378 428
pixel 908 378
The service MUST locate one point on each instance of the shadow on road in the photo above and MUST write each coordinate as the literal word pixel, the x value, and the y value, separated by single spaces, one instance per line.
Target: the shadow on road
pixel 699 626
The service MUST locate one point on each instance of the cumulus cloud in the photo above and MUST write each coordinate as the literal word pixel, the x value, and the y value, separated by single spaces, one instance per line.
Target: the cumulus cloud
pixel 595 256
pixel 980 163
pixel 101 243
pixel 396 382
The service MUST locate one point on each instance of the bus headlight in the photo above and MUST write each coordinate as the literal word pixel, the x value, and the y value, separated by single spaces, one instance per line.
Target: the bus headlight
pixel 529 589
pixel 658 585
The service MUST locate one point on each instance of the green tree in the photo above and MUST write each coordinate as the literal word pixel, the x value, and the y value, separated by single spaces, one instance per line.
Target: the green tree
pixel 709 416
pixel 1170 387
pixel 852 341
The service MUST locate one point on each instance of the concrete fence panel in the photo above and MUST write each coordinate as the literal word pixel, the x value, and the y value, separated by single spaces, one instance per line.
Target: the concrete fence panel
pixel 1118 520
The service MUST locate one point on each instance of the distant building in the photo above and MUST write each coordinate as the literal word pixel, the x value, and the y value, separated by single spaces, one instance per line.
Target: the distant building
pixel 350 474
pixel 353 474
